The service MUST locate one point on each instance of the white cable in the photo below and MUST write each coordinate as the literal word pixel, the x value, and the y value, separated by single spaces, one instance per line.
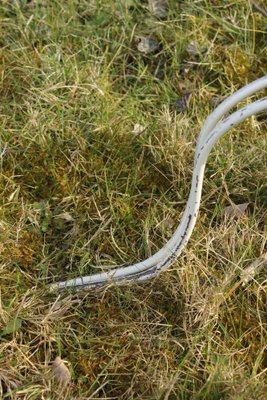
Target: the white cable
pixel 210 133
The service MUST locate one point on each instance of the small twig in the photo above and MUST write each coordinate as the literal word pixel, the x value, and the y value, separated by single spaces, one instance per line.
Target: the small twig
pixel 259 9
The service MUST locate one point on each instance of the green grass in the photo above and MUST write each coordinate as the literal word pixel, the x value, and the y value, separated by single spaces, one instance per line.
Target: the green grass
pixel 79 189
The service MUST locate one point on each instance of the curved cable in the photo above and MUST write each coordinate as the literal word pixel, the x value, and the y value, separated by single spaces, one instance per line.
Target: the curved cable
pixel 212 130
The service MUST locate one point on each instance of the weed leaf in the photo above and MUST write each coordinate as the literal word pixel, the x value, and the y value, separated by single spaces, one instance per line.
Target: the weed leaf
pixel 12 326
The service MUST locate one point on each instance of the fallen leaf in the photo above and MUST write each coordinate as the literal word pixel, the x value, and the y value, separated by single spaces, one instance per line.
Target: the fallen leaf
pixel 180 105
pixel 146 44
pixel 236 210
pixel 66 216
pixel 168 223
pixel 159 7
pixel 60 372
pixel 194 50
pixel 216 100
pixel 185 69
pixel 249 273
pixel 138 129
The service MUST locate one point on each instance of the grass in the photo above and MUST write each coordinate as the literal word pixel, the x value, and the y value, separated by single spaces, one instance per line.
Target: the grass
pixel 80 189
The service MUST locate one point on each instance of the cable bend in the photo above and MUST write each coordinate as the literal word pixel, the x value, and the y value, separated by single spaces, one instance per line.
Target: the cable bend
pixel 213 128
